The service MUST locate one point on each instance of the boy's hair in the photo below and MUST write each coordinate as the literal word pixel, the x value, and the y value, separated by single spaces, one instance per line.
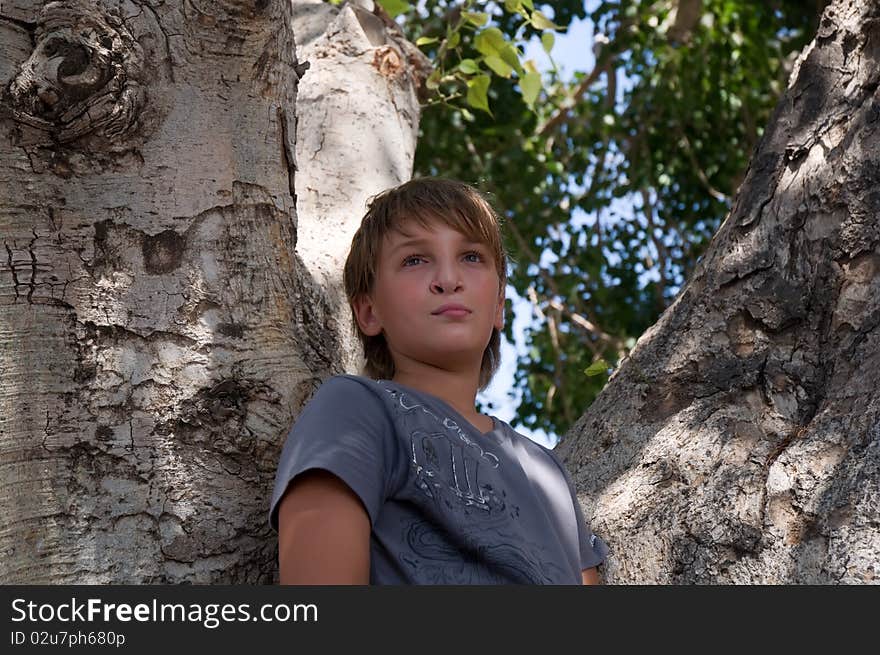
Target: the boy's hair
pixel 425 199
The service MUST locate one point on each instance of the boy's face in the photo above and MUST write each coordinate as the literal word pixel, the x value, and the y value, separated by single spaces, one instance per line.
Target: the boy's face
pixel 420 272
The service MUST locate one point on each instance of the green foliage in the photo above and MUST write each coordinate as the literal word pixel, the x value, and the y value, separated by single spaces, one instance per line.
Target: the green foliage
pixel 596 368
pixel 465 47
pixel 395 7
pixel 530 85
pixel 478 90
pixel 613 181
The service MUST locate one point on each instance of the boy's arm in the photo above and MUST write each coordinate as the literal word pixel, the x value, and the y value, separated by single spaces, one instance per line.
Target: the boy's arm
pixel 323 532
pixel 591 576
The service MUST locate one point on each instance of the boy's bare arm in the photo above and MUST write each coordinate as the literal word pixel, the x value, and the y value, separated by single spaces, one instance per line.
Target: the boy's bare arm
pixel 591 576
pixel 323 533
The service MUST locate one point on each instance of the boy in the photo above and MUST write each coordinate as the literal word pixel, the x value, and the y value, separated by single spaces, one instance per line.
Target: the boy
pixel 394 477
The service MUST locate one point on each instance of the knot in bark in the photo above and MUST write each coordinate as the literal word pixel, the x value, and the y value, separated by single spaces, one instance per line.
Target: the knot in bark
pixel 388 61
pixel 82 77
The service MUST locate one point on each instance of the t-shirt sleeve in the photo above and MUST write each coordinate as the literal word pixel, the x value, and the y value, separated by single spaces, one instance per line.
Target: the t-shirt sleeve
pixel 344 429
pixel 593 549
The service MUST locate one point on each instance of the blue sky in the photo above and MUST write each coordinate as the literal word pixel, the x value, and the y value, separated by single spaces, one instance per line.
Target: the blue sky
pixel 573 50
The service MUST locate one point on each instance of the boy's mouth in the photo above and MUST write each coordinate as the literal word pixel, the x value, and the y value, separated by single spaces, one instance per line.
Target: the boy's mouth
pixel 451 309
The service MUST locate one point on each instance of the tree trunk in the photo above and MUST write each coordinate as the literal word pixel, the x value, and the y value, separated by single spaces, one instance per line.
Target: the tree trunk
pixel 740 441
pixel 164 314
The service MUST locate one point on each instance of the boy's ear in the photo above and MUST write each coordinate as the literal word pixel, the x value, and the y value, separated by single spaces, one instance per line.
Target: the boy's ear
pixel 367 319
pixel 499 312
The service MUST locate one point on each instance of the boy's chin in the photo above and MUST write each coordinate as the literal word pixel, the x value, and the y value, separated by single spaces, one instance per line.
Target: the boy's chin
pixel 458 360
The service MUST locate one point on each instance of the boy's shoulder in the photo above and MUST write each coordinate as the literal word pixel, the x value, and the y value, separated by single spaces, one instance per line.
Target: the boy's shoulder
pixel 341 378
pixel 346 384
pixel 346 389
pixel 346 399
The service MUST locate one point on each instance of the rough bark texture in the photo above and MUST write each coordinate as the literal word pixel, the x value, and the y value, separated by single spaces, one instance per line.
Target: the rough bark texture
pixel 160 323
pixel 740 441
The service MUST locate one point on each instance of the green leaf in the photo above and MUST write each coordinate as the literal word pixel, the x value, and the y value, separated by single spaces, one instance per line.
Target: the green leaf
pixel 477 18
pixel 511 57
pixel 478 92
pixel 498 65
pixel 541 22
pixel 548 39
pixel 426 40
pixel 598 367
pixel 513 6
pixel 395 7
pixel 531 87
pixel 433 81
pixel 490 41
pixel 468 66
pixel 468 116
pixel 453 40
pixel 528 3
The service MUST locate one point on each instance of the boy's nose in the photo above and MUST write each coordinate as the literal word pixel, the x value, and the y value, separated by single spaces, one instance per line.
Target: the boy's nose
pixel 440 287
pixel 447 279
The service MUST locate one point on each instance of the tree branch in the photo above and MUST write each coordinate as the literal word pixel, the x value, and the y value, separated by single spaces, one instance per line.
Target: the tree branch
pixel 662 255
pixel 562 114
pixel 715 193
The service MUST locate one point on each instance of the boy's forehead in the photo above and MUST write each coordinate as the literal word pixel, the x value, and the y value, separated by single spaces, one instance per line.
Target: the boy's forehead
pixel 412 229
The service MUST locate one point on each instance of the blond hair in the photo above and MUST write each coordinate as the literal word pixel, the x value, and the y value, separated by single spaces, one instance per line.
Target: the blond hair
pixel 425 199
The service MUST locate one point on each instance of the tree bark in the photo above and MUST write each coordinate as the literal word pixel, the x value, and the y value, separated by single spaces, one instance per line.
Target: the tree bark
pixel 164 315
pixel 740 441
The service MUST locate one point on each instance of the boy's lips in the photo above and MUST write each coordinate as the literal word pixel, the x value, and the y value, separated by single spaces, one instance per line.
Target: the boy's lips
pixel 451 309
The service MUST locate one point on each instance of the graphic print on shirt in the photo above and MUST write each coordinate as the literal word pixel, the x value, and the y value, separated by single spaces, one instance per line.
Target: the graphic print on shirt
pixel 473 561
pixel 447 472
pixel 448 469
pixel 461 478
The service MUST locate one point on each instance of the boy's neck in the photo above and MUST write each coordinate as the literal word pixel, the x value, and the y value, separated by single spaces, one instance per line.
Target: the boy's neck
pixel 456 388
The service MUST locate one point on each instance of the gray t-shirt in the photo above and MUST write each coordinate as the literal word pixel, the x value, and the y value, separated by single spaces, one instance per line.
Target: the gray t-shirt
pixel 447 503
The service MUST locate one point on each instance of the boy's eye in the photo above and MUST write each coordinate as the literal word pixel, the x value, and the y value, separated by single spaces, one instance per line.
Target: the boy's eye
pixel 411 258
pixel 474 253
